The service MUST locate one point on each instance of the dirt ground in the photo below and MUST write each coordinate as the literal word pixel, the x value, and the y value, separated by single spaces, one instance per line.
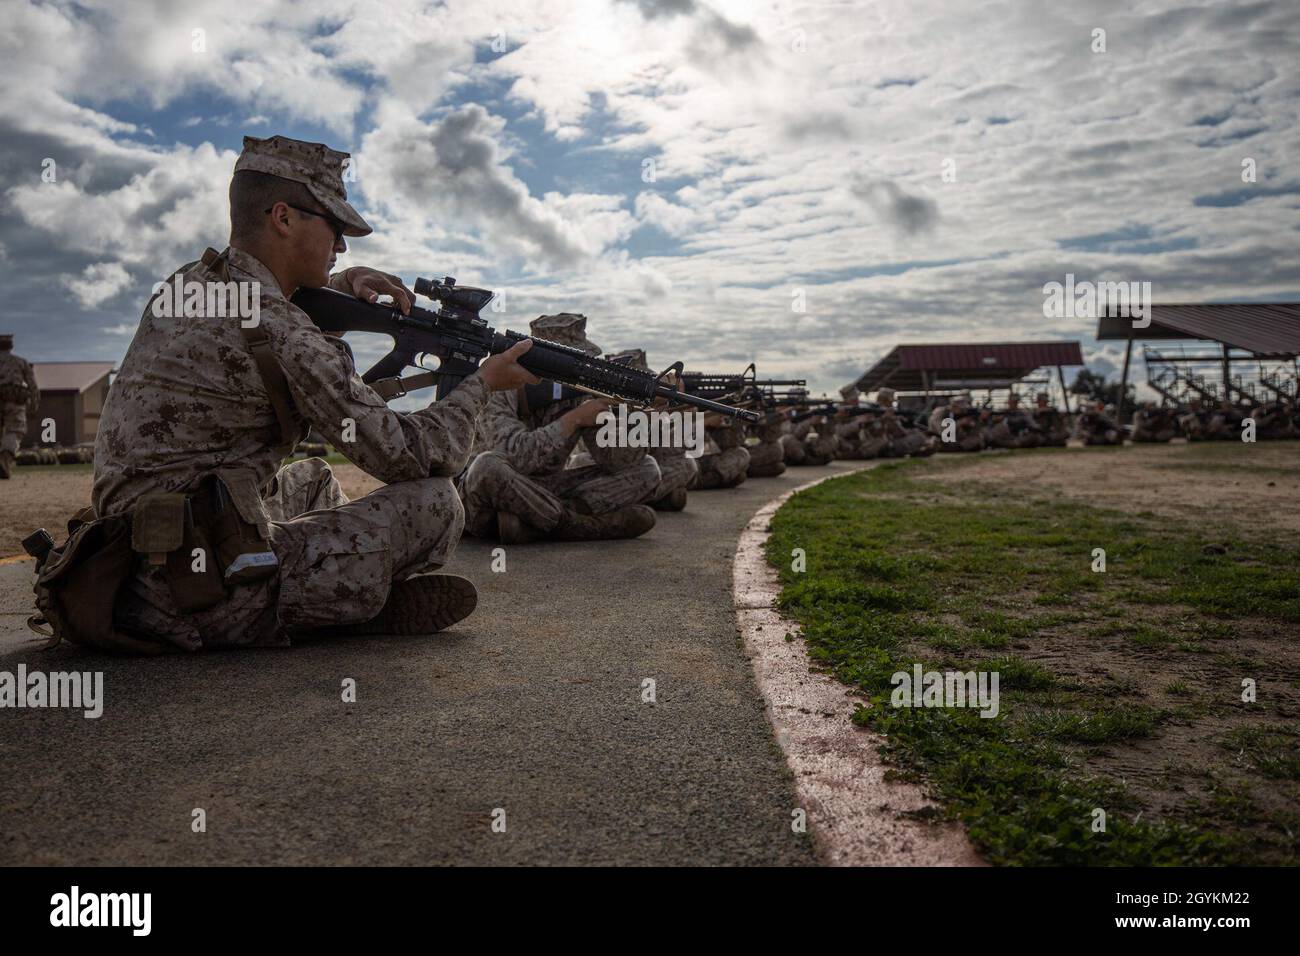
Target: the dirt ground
pixel 46 496
pixel 1194 675
pixel 1250 485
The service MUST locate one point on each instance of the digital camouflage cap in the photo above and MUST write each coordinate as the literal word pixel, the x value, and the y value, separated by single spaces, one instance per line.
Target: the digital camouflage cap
pixel 315 165
pixel 634 358
pixel 564 328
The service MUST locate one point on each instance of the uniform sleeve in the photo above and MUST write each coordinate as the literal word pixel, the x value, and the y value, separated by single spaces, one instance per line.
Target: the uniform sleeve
pixel 848 430
pixel 328 393
pixel 339 280
pixel 530 451
pixel 33 390
pixel 612 458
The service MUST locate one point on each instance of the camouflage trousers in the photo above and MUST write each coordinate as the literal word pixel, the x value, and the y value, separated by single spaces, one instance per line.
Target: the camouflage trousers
pixel 813 450
pixel 675 471
pixel 1001 436
pixel 491 484
pixel 971 441
pixel 13 426
pixel 862 450
pixel 913 442
pixel 338 560
pixel 766 459
pixel 724 469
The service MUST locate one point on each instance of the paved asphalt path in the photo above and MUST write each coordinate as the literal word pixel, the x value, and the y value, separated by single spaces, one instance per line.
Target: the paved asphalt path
pixel 533 705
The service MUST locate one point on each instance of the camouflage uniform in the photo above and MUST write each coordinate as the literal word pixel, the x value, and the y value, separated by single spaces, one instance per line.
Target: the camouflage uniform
pixel 1014 428
pixel 803 446
pixel 520 461
pixel 863 437
pixel 1097 428
pixel 1274 420
pixel 726 467
pixel 676 470
pixel 190 402
pixel 969 434
pixel 1194 421
pixel 19 397
pixel 905 441
pixel 904 438
pixel 1054 427
pixel 1225 422
pixel 1152 424
pixel 767 458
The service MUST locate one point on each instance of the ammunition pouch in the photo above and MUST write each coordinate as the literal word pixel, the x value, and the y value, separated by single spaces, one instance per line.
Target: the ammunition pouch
pixel 77 585
pixel 200 541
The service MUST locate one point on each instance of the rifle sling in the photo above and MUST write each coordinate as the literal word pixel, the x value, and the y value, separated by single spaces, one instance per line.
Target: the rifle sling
pixel 273 379
pixel 395 387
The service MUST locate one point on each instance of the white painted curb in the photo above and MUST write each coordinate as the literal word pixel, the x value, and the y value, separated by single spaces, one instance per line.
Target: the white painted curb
pixel 853 812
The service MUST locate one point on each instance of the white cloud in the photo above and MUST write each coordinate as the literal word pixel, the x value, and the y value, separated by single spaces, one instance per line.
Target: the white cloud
pixel 453 171
pixel 761 119
pixel 99 282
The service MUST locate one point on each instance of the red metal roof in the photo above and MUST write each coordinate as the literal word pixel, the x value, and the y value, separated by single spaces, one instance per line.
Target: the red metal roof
pixel 999 355
pixel 910 368
pixel 1265 328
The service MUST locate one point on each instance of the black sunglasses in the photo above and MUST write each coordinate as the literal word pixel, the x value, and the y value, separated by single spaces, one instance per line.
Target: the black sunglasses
pixel 337 226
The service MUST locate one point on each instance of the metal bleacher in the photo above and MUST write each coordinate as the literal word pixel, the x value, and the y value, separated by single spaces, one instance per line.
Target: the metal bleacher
pixel 1180 373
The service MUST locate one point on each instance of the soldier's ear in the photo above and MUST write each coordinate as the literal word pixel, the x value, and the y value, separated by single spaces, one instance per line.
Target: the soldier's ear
pixel 280 218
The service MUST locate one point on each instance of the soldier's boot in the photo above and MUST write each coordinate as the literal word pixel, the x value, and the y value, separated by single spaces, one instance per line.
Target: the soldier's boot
pixel 630 522
pixel 512 529
pixel 675 500
pixel 6 463
pixel 422 604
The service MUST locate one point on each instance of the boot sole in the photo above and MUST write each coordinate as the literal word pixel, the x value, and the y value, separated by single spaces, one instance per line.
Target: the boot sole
pixel 424 604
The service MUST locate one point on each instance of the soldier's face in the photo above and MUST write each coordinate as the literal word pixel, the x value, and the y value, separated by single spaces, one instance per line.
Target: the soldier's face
pixel 317 246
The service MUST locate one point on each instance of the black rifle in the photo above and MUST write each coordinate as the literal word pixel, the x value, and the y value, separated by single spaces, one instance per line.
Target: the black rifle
pixel 461 339
pixel 826 408
pixel 717 385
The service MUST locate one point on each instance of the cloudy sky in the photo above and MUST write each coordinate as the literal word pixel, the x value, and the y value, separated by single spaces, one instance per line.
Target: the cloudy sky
pixel 714 181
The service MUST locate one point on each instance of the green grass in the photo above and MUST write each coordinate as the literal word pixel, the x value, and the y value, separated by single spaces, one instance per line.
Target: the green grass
pixel 1275 750
pixel 901 571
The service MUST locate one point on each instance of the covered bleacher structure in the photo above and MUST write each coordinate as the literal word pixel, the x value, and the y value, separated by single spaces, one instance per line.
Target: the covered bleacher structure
pixel 992 366
pixel 1224 351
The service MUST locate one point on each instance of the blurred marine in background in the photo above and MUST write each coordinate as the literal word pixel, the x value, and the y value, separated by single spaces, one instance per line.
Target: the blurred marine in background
pixel 19 397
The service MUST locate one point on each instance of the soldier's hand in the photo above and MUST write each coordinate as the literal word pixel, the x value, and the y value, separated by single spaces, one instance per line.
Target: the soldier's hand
pixel 369 284
pixel 585 415
pixel 503 373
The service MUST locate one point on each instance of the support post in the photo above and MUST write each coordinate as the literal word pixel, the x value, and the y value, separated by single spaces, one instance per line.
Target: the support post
pixel 1060 374
pixel 1123 382
pixel 1227 373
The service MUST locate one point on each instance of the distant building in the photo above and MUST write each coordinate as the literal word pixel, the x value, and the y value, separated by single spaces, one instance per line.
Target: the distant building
pixel 72 393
